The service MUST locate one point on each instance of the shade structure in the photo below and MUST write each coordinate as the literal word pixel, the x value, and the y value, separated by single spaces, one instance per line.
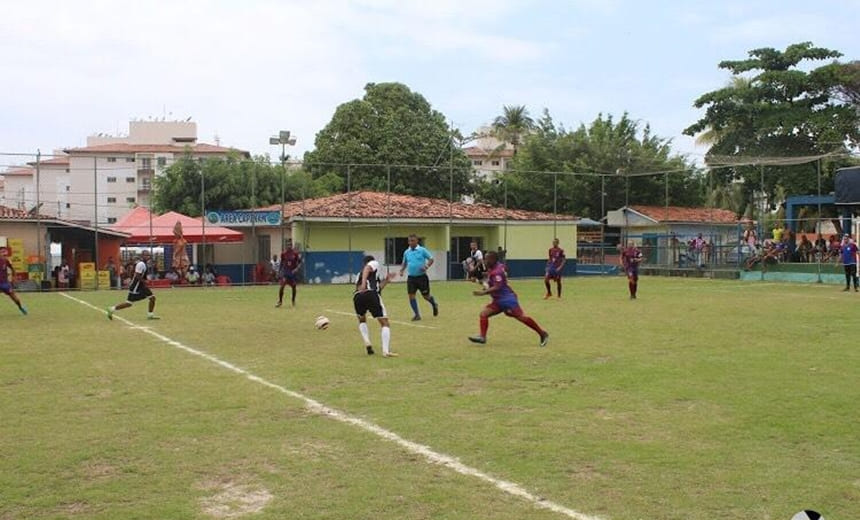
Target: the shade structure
pixel 159 229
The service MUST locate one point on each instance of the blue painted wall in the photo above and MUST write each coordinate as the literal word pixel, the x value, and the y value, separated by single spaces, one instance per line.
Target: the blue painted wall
pixel 324 266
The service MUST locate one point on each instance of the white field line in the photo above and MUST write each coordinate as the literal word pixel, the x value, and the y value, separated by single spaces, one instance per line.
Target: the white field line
pixel 392 321
pixel 316 407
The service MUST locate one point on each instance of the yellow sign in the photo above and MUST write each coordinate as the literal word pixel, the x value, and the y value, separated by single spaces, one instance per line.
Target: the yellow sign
pixel 104 279
pixel 87 275
pixel 17 256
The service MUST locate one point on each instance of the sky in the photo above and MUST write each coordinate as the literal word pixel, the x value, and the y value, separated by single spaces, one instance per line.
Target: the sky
pixel 245 70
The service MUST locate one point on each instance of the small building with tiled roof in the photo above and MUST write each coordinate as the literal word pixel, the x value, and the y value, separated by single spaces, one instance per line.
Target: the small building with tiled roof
pixel 29 234
pixel 664 231
pixel 335 232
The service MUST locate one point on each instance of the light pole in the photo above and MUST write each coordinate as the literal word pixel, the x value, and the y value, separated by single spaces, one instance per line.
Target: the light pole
pixel 283 138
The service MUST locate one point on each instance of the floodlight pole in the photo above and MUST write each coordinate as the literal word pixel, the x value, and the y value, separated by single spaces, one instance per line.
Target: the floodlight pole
pixel 283 138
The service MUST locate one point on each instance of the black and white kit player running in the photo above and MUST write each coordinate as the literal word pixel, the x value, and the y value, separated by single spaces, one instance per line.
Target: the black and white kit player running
pixel 368 298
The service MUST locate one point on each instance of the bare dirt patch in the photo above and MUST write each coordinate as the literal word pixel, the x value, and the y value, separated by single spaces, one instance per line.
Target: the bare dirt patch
pixel 234 500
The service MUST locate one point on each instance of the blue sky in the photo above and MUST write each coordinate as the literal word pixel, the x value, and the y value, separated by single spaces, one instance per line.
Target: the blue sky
pixel 243 70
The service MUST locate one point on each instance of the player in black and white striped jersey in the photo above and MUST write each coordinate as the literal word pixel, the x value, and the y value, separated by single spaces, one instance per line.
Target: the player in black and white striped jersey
pixel 368 298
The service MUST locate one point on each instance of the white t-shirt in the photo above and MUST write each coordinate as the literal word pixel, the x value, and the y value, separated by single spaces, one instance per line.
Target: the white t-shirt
pixel 140 267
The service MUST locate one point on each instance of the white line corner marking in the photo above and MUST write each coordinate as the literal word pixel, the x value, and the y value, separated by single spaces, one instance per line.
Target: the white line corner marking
pixel 321 409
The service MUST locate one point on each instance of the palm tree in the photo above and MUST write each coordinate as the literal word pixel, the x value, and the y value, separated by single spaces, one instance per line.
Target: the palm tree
pixel 513 125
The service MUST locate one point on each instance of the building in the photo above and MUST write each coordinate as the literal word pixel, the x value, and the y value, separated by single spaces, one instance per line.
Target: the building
pixel 33 235
pixel 100 182
pixel 663 231
pixel 335 232
pixel 489 155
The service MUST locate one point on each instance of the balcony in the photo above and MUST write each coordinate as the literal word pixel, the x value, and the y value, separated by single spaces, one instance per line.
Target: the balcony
pixel 146 171
pixel 144 187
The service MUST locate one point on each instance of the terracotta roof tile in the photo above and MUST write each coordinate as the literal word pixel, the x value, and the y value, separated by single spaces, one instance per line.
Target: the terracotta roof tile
pixel 155 148
pixel 19 172
pixel 368 204
pixel 477 151
pixel 679 214
pixel 56 161
pixel 19 214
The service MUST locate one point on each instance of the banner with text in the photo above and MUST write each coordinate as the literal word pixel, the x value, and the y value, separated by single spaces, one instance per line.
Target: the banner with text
pixel 243 218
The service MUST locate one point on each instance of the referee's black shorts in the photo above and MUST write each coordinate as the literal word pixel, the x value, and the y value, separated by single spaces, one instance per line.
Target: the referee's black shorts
pixel 418 284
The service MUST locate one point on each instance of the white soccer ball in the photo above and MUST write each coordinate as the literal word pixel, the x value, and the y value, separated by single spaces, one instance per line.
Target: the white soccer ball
pixel 808 515
pixel 322 323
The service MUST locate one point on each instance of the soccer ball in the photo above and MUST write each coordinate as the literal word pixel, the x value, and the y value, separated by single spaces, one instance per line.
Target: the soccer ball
pixel 321 323
pixel 807 515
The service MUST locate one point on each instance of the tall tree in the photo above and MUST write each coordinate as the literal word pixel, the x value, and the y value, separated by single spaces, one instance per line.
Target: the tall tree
pixel 231 183
pixel 607 154
pixel 777 110
pixel 396 132
pixel 513 125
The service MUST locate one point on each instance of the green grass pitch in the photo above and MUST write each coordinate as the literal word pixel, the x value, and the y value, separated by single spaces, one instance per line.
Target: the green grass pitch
pixel 700 400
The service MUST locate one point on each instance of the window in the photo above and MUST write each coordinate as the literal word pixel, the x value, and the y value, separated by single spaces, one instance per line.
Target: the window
pixel 68 205
pixel 111 159
pixel 146 163
pixel 495 163
pixel 129 159
pixel 162 162
pixel 111 220
pixel 130 179
pixel 477 162
pixel 111 179
pixel 394 248
pixel 111 199
pixel 68 188
pixel 67 170
pixel 129 199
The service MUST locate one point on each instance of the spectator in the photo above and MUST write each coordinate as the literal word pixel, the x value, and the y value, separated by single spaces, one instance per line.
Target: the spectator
pixel 820 247
pixel 777 233
pixel 113 272
pixel 750 236
pixel 805 249
pixel 209 275
pixel 172 276
pixel 275 264
pixel 192 277
pixel 63 276
pixel 698 246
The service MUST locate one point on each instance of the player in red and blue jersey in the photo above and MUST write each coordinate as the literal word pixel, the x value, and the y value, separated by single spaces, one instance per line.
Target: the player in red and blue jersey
pixel 5 283
pixel 554 267
pixel 291 260
pixel 504 300
pixel 631 257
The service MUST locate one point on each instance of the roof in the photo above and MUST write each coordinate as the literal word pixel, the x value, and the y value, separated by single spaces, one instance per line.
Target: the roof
pixel 145 227
pixel 680 214
pixel 7 213
pixel 19 172
pixel 56 161
pixel 125 148
pixel 477 151
pixel 369 204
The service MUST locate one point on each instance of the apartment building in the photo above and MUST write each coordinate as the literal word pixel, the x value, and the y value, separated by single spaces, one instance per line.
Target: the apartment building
pixel 105 179
pixel 489 155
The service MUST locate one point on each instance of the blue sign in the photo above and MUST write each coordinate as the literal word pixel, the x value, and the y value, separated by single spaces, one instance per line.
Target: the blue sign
pixel 243 218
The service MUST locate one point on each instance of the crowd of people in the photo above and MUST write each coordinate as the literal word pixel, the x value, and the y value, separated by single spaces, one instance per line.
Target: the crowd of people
pixel 784 246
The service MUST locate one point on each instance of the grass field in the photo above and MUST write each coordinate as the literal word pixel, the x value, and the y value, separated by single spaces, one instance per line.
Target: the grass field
pixel 700 400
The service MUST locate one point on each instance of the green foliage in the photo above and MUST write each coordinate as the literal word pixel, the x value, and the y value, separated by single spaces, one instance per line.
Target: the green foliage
pixel 612 148
pixel 513 125
pixel 396 132
pixel 232 183
pixel 773 108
